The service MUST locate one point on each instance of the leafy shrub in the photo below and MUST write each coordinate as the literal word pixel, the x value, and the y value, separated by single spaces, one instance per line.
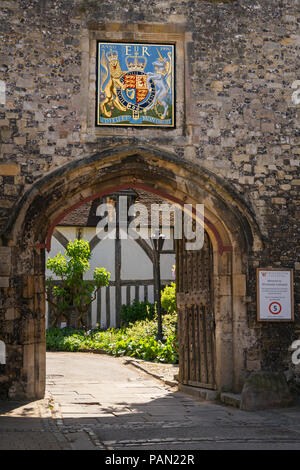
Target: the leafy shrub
pixel 147 348
pixel 136 311
pixel 73 292
pixel 168 298
pixel 145 328
pixel 137 340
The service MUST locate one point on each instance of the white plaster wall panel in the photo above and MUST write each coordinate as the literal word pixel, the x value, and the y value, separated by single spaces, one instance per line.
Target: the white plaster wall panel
pixel 166 264
pixel 103 256
pixel 88 233
pixel 151 294
pixel 144 233
pixel 123 295
pixel 69 232
pixel 132 294
pixel 94 313
pixel 141 294
pixel 103 308
pixel 135 264
pixel 168 244
pixel 56 247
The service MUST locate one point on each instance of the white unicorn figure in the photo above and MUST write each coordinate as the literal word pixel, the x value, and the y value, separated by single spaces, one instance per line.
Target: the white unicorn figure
pixel 162 68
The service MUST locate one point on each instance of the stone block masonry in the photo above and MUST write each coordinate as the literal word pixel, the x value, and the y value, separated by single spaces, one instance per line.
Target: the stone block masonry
pixel 237 67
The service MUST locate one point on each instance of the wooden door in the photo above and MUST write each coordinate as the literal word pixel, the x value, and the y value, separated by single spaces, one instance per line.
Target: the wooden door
pixel 196 325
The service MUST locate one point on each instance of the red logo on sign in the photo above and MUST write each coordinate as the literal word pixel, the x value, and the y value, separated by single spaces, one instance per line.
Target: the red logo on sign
pixel 275 308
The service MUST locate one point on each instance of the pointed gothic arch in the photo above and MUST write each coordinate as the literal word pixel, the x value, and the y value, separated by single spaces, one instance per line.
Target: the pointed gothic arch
pixel 231 227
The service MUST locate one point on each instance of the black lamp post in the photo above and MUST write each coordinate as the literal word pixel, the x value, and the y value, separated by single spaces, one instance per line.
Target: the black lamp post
pixel 158 241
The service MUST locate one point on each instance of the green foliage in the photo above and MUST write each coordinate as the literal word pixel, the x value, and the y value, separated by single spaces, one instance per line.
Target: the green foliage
pixel 136 311
pixel 101 277
pixel 137 340
pixel 69 339
pixel 147 348
pixel 145 328
pixel 73 291
pixel 168 298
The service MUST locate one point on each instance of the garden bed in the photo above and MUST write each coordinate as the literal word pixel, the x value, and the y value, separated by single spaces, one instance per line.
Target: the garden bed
pixel 137 340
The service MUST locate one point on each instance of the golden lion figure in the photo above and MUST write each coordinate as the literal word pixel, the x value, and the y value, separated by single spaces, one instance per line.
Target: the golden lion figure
pixel 114 82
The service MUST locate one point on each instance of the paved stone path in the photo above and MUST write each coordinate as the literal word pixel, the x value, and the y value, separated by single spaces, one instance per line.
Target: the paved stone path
pixel 99 402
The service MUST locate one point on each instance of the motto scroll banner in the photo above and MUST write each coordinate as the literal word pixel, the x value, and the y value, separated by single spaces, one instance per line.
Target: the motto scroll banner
pixel 135 84
pixel 275 295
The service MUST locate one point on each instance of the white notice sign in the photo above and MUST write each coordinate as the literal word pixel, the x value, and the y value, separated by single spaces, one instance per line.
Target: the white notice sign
pixel 275 295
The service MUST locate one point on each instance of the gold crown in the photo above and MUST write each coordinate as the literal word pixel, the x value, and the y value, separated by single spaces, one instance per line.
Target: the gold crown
pixel 136 62
pixel 112 55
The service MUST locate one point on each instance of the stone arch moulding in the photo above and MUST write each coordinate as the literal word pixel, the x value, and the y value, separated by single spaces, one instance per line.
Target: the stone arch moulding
pixel 209 225
pixel 229 223
pixel 162 172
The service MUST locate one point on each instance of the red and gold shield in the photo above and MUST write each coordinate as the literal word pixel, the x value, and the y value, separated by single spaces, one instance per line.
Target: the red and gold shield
pixel 141 88
pixel 139 83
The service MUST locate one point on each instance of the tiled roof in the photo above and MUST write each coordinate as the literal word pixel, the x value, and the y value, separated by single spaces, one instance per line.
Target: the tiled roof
pixel 85 215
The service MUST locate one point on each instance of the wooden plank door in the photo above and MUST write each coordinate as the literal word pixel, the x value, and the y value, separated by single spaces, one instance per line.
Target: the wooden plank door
pixel 196 325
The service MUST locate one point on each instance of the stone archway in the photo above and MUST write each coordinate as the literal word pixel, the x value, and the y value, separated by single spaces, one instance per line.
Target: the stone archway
pixel 230 225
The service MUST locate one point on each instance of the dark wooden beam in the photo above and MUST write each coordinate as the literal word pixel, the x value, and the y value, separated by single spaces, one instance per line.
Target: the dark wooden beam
pixel 60 238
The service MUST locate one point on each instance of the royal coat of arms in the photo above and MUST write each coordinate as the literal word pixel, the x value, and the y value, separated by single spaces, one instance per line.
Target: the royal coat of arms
pixel 135 84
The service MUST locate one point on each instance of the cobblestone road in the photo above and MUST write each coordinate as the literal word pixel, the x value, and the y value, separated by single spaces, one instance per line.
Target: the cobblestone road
pixel 98 402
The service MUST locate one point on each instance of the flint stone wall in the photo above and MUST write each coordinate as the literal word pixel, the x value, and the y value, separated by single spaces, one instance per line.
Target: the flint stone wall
pixel 238 63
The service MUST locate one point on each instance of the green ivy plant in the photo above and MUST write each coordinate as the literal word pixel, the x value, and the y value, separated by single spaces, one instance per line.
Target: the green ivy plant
pixel 73 292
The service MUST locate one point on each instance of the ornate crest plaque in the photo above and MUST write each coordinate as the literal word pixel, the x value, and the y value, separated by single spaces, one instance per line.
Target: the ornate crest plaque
pixel 135 84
